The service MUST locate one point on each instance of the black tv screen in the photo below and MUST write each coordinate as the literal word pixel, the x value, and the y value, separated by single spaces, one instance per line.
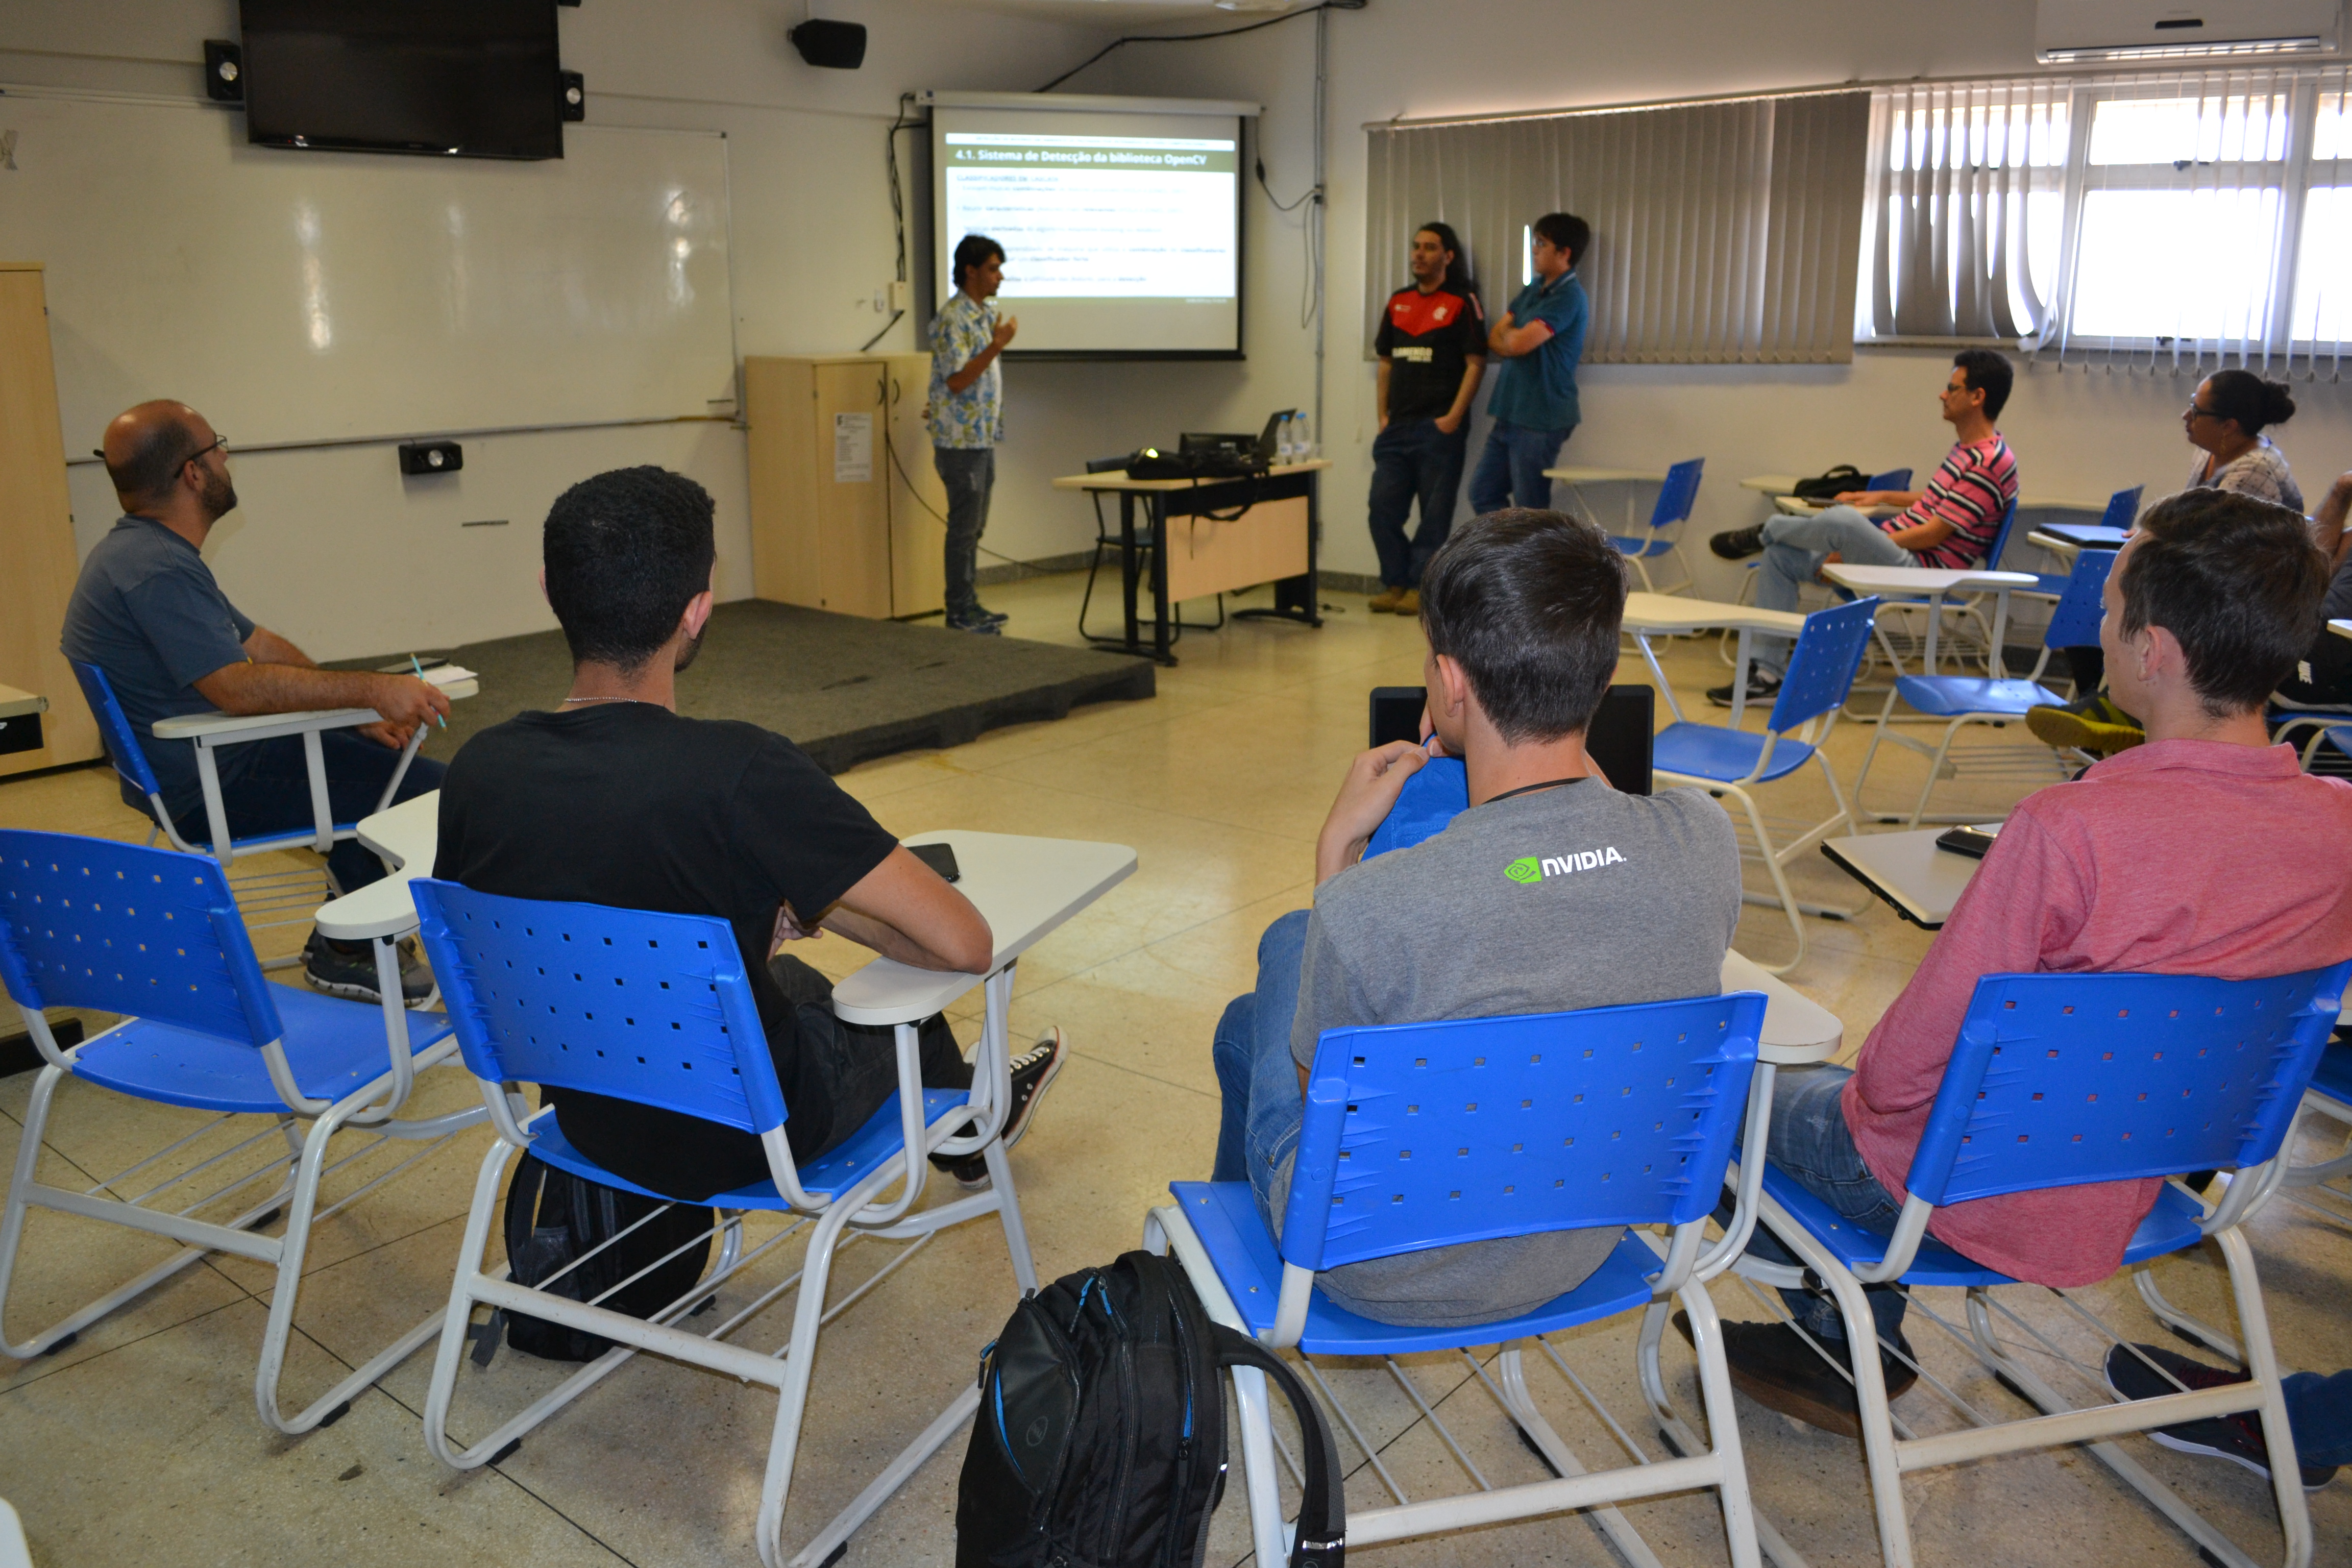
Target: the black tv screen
pixel 472 79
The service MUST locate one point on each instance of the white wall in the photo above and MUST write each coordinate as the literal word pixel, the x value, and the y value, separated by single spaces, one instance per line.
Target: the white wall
pixel 333 547
pixel 2079 434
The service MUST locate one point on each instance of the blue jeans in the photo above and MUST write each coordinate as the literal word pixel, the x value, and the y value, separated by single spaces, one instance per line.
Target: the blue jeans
pixel 271 793
pixel 1511 468
pixel 968 475
pixel 2319 1414
pixel 1812 1145
pixel 1412 460
pixel 1258 1126
pixel 1794 549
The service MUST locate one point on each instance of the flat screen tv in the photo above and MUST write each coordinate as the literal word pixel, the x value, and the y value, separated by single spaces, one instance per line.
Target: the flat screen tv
pixel 471 78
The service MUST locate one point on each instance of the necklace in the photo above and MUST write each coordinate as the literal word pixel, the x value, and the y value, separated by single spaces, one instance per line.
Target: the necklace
pixel 636 700
pixel 1529 789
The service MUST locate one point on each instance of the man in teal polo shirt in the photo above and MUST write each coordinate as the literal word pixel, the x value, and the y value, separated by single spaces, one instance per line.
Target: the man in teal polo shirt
pixel 1540 340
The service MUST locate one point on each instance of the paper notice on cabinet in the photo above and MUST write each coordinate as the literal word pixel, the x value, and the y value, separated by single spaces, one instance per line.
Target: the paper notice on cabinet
pixel 852 449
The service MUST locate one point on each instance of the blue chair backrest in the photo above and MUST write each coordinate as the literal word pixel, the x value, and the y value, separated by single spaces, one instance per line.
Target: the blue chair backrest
pixel 121 928
pixel 2074 621
pixel 1678 494
pixel 652 1008
pixel 123 747
pixel 2059 1079
pixel 2000 538
pixel 2123 508
pixel 1821 668
pixel 1420 1135
pixel 1892 479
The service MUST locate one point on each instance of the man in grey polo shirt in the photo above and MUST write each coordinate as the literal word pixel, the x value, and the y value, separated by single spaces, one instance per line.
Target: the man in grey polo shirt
pixel 147 611
pixel 1521 610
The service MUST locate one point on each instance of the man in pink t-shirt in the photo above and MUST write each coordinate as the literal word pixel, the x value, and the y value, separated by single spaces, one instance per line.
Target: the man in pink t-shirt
pixel 2205 851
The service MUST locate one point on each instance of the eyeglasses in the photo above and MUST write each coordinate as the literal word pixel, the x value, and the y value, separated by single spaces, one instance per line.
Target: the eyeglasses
pixel 219 441
pixel 2193 412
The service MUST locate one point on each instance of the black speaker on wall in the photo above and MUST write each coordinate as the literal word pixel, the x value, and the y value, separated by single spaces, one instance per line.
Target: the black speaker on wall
pixel 431 457
pixel 224 71
pixel 572 91
pixel 835 46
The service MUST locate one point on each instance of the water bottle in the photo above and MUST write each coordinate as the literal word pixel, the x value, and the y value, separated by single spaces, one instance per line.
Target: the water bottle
pixel 1286 440
pixel 1302 444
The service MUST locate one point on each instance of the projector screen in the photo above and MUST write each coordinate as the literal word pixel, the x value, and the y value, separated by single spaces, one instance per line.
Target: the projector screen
pixel 1120 220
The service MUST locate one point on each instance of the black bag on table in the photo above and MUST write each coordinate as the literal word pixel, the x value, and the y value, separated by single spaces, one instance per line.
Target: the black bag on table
pixel 1829 486
pixel 552 1218
pixel 1100 1441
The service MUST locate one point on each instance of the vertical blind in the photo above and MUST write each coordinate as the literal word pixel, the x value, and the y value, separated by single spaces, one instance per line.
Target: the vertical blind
pixel 1723 233
pixel 2174 222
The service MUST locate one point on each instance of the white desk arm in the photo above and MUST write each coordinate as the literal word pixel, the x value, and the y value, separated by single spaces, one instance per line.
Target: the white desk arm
pixel 209 731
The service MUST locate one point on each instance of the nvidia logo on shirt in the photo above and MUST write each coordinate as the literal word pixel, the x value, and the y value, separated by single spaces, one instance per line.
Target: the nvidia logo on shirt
pixel 1529 869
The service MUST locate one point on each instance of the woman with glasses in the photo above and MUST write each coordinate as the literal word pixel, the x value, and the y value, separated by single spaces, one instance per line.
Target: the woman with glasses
pixel 2225 421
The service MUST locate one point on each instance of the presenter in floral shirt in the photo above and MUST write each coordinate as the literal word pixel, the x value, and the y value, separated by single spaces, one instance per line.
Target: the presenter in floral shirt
pixel 967 416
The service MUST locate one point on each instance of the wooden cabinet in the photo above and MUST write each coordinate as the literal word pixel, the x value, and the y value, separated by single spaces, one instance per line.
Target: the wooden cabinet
pixel 847 512
pixel 36 544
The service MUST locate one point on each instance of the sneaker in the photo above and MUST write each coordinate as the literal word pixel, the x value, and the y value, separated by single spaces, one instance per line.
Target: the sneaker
pixel 2090 723
pixel 1772 1364
pixel 1385 601
pixel 1033 1071
pixel 1740 543
pixel 1761 688
pixel 977 622
pixel 2237 1438
pixel 348 969
pixel 985 614
pixel 1409 602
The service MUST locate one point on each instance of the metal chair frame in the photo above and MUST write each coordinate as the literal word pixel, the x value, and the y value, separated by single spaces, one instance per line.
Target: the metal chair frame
pixel 838 1199
pixel 2259 1041
pixel 82 891
pixel 2329 1099
pixel 1361 1093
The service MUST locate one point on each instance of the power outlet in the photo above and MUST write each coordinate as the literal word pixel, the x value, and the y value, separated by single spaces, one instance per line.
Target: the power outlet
pixel 902 295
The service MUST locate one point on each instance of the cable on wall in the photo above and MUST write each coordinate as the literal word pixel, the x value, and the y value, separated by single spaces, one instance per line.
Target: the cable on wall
pixel 1196 38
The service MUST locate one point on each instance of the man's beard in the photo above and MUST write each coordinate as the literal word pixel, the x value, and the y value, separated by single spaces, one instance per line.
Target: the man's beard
pixel 219 497
pixel 687 650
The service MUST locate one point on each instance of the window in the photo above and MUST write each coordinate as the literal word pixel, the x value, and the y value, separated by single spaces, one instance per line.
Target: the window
pixel 2186 220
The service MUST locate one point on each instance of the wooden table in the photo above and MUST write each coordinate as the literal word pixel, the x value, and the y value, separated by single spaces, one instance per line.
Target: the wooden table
pixel 1931 583
pixel 1671 614
pixel 1271 535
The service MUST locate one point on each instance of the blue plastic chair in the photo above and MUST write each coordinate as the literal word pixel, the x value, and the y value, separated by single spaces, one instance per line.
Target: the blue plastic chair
pixel 2329 1097
pixel 657 1009
pixel 1422 1135
pixel 153 935
pixel 2058 1081
pixel 1675 499
pixel 1729 761
pixel 2122 511
pixel 1966 699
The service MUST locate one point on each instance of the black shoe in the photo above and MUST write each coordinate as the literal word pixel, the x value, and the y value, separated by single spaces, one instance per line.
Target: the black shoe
pixel 1761 688
pixel 1033 1071
pixel 985 614
pixel 977 622
pixel 348 969
pixel 1772 1364
pixel 1740 543
pixel 2237 1438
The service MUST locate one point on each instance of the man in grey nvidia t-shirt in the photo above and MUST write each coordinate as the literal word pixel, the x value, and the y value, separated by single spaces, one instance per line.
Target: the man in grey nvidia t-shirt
pixel 1553 892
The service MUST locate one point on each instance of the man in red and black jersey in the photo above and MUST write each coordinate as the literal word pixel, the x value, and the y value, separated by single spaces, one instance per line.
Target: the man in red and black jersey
pixel 1433 350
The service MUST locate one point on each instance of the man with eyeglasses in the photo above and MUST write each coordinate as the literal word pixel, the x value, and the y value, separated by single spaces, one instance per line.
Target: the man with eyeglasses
pixel 148 612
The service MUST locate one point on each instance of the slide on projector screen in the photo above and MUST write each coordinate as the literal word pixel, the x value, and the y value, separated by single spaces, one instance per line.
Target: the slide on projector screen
pixel 1121 226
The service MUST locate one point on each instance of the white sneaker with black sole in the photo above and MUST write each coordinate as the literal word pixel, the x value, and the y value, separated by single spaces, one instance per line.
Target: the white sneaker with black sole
pixel 1033 1071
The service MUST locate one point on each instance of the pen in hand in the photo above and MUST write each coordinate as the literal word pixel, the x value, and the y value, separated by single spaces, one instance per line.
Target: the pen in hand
pixel 420 675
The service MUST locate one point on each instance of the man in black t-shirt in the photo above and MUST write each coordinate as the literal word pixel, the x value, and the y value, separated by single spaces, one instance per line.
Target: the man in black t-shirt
pixel 1432 350
pixel 614 799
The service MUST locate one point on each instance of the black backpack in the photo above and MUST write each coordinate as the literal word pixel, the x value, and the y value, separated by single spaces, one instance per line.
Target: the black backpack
pixel 1829 486
pixel 552 1218
pixel 1100 1440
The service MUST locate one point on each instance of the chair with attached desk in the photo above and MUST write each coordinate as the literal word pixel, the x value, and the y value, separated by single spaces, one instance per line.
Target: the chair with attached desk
pixel 154 935
pixel 1892 479
pixel 276 898
pixel 1675 499
pixel 1969 608
pixel 1727 760
pixel 2058 1081
pixel 1968 700
pixel 1420 1135
pixel 2123 511
pixel 657 1009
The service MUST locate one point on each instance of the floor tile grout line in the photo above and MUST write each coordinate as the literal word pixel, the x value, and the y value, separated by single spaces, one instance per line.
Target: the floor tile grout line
pixel 96 1356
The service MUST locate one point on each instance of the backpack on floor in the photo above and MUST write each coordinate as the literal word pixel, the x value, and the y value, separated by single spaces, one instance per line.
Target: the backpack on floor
pixel 553 1217
pixel 1100 1441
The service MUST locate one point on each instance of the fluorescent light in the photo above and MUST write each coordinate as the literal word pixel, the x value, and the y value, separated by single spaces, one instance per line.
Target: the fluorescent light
pixel 2302 45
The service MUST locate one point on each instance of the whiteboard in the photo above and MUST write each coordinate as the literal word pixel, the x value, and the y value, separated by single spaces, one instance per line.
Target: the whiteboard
pixel 300 296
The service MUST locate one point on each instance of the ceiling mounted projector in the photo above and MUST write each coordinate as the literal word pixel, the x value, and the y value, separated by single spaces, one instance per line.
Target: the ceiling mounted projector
pixel 2078 32
pixel 835 46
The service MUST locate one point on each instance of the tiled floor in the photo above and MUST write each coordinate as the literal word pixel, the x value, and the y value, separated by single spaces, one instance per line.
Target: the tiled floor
pixel 140 1441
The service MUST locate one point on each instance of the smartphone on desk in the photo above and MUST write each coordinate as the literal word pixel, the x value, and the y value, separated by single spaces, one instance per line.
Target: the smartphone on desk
pixel 1971 842
pixel 939 858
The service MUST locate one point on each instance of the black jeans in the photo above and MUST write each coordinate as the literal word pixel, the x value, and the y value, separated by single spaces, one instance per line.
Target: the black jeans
pixel 1413 460
pixel 271 793
pixel 969 474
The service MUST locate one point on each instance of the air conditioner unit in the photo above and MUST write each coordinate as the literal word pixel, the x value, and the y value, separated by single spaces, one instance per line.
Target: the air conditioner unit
pixel 2075 32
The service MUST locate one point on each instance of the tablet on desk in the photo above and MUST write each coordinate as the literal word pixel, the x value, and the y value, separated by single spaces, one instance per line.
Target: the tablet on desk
pixel 2089 535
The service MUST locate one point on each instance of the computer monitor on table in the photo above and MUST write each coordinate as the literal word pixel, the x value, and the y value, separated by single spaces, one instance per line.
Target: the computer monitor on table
pixel 1618 741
